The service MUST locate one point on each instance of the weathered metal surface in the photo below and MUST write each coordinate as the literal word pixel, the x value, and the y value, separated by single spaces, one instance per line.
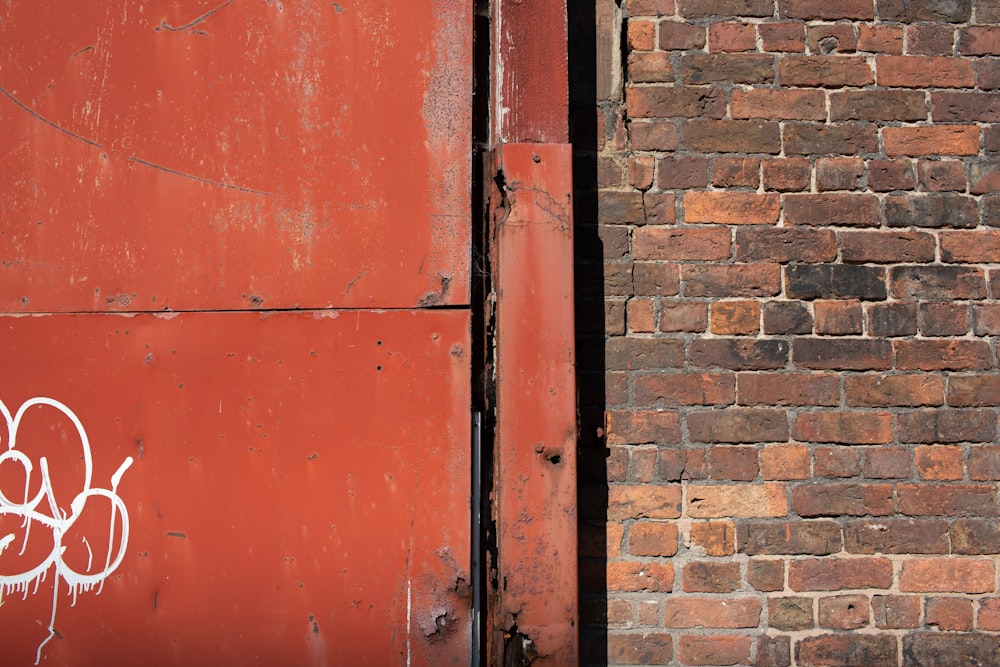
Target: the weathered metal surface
pixel 535 609
pixel 234 154
pixel 530 76
pixel 298 492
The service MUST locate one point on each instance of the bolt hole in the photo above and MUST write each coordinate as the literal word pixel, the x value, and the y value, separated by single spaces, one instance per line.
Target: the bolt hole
pixel 379 367
pixel 379 343
pixel 555 459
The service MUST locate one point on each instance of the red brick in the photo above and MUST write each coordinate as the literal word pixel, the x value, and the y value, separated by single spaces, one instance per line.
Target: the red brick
pixel 836 462
pixel 675 35
pixel 838 173
pixel 640 172
pixel 930 40
pixel 896 612
pixel 896 536
pixel 711 577
pixel 644 502
pixel 947 575
pixel 814 538
pixel 717 538
pixel 735 280
pixel 887 175
pixel 924 72
pixel 954 11
pixel 949 613
pixel 943 319
pixel 786 174
pixel 979 40
pixel 879 390
pixel 843 612
pixel 888 247
pixel 642 464
pixel 941 175
pixel 641 315
pixel 649 67
pixel 766 574
pixel 733 318
pixel 934 355
pixel 731 208
pixel 640 648
pixel 824 71
pixel 984 463
pixel 732 36
pixel 947 499
pixel 650 7
pixel 683 316
pixel 735 172
pixel 832 573
pixel 838 318
pixel 928 140
pixel 733 463
pixel 979 390
pixel 786 244
pixel 706 501
pixel 696 9
pixel 784 462
pixel 731 136
pixel 655 279
pixel 939 462
pixel 776 103
pixel 847 209
pixel 831 38
pixel 970 247
pixel 986 319
pixel 855 428
pixel 652 538
pixel 674 465
pixel 737 425
pixel 815 389
pixel 660 101
pixel 989 614
pixel 828 499
pixel 711 613
pixel 840 649
pixel 965 106
pixel 740 68
pixel 786 37
pixel 822 9
pixel 880 38
pixel 984 178
pixel 947 648
pixel 641 35
pixel 878 105
pixel 633 577
pixel 887 463
pixel 773 651
pixel 988 73
pixel 946 425
pixel 653 135
pixel 701 650
pixel 642 426
pixel 681 244
pixel 790 613
pixel 685 389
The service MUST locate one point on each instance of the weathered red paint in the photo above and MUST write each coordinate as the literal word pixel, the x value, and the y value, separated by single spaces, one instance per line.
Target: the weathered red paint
pixel 534 618
pixel 234 154
pixel 530 75
pixel 298 495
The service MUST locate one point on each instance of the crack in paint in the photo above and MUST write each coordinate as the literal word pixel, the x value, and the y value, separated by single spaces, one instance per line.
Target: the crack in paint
pixel 190 24
pixel 24 107
pixel 200 179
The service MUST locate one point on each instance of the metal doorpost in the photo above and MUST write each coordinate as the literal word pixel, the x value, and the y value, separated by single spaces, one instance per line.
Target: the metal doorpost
pixel 533 611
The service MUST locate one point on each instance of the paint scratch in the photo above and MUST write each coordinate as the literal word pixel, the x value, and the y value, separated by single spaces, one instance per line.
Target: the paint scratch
pixel 48 122
pixel 200 179
pixel 190 24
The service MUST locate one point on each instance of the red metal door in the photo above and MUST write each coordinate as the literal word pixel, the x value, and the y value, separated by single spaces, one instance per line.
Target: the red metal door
pixel 235 421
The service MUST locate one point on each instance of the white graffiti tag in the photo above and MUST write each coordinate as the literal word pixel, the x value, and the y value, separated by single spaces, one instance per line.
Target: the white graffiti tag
pixel 42 509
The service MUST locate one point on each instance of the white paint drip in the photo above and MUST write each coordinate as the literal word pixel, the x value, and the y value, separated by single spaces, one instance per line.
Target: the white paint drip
pixel 32 511
pixel 409 601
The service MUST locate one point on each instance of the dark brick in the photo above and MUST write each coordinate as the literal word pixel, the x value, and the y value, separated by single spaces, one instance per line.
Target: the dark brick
pixel 812 389
pixel 984 463
pixel 964 106
pixel 829 39
pixel 892 319
pixel 938 355
pixel 786 244
pixel 836 462
pixel 888 175
pixel 746 68
pixel 738 425
pixel 638 648
pixel 941 175
pixel 824 71
pixel 979 40
pixel 697 9
pixel 896 612
pixel 937 282
pixel 731 280
pixel 787 317
pixel 766 574
pixel 668 102
pixel 841 209
pixel 838 318
pixel 843 427
pixel 842 353
pixel 838 650
pixel 641 353
pixel 790 613
pixel 787 174
pixel 956 11
pixel 821 139
pixel 896 536
pixel 678 36
pixel 939 318
pixel 975 537
pixel 887 463
pixel 940 649
pixel 831 281
pixel 931 210
pixel 930 40
pixel 733 463
pixel 773 651
pixel 738 353
pixel 979 390
pixel 685 389
pixel 832 574
pixel 822 9
pixel 731 136
pixel 878 105
pixel 813 538
pixel 945 425
pixel 838 173
pixel 655 279
pixel 711 577
pixel 843 612
pixel 878 390
pixel 826 499
pixel 890 247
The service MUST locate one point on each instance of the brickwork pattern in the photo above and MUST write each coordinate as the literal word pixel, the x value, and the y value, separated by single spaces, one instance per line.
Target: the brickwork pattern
pixel 799 209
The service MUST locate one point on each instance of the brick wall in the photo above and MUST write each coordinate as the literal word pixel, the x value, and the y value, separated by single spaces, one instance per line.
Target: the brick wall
pixel 799 244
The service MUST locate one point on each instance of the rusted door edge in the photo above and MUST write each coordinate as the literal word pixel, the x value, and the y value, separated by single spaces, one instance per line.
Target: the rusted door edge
pixel 534 616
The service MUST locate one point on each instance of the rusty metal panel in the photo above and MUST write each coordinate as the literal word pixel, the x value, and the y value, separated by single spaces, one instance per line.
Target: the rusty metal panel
pixel 234 154
pixel 535 613
pixel 235 488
